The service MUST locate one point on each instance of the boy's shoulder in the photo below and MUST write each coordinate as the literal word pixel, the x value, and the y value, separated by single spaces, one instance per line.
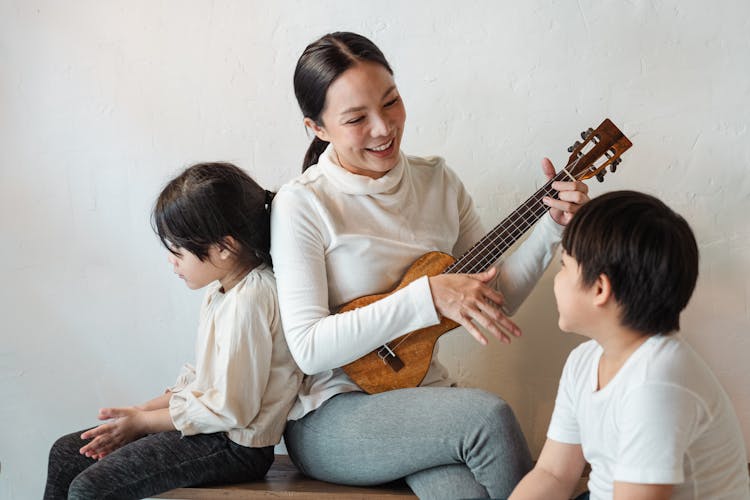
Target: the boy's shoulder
pixel 661 359
pixel 583 354
pixel 669 359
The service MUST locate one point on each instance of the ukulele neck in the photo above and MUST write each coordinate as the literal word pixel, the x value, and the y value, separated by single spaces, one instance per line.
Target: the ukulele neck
pixel 487 250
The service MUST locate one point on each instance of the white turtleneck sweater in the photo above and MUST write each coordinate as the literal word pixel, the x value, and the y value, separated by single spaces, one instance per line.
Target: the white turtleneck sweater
pixel 337 236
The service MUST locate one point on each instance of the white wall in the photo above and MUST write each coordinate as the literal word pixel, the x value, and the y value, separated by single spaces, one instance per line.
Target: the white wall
pixel 101 102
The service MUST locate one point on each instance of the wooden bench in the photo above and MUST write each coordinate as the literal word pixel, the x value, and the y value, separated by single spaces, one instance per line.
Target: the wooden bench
pixel 284 480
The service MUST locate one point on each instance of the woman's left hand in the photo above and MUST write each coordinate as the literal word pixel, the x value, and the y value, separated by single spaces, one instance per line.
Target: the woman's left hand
pixel 572 195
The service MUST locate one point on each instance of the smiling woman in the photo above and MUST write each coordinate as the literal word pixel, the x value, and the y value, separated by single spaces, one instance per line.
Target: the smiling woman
pixel 365 118
pixel 361 212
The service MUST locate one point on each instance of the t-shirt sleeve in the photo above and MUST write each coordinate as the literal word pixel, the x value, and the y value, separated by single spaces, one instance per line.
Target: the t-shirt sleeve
pixel 657 423
pixel 563 426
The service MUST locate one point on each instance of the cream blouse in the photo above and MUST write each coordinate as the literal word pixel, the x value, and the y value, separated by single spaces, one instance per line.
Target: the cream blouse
pixel 244 381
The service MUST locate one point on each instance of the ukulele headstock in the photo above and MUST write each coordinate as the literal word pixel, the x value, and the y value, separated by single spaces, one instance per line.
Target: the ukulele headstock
pixel 599 148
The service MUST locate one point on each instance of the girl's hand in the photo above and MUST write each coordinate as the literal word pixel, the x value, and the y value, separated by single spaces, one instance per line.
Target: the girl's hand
pixel 127 425
pixel 572 195
pixel 467 299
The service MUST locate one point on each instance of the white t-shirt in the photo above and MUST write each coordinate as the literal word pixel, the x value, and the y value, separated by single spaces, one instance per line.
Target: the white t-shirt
pixel 245 380
pixel 337 236
pixel 662 419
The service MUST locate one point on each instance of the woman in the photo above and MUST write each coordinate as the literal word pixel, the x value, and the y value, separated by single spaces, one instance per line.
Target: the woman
pixel 351 225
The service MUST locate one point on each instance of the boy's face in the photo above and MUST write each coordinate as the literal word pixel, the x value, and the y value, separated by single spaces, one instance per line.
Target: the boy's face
pixel 573 299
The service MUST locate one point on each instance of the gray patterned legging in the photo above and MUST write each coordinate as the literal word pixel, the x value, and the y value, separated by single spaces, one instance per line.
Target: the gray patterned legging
pixel 151 465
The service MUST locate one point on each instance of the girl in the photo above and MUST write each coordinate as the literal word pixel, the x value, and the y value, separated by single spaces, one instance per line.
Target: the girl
pixel 360 214
pixel 219 422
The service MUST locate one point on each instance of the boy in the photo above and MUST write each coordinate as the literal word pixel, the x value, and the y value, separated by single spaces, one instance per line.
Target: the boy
pixel 636 401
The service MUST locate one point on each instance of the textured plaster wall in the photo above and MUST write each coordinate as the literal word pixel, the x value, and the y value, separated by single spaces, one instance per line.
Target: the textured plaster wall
pixel 101 102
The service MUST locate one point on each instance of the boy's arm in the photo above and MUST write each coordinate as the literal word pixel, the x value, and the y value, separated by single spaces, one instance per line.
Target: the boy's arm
pixel 555 475
pixel 633 491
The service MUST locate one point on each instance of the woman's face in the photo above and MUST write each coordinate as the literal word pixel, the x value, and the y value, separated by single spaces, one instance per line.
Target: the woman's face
pixel 364 119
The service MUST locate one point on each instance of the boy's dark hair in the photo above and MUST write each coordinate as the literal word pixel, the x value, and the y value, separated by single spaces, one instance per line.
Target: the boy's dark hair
pixel 321 63
pixel 647 251
pixel 210 201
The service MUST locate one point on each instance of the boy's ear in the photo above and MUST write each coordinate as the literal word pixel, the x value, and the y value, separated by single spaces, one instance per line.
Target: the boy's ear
pixel 602 290
pixel 318 130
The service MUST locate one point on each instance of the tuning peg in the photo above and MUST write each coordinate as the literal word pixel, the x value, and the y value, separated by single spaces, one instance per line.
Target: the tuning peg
pixel 613 165
pixel 575 145
pixel 586 133
pixel 600 176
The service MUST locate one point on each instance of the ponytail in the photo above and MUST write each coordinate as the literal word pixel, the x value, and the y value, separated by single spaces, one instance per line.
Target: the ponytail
pixel 317 146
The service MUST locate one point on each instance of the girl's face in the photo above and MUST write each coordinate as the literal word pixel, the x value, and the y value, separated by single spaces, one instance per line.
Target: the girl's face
pixel 195 272
pixel 364 119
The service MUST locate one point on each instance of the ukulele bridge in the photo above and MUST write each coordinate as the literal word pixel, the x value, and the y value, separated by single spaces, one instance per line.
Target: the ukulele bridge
pixel 389 357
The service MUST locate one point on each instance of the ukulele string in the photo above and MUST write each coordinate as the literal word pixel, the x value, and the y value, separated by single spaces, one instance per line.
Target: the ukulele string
pixel 539 213
pixel 546 190
pixel 472 266
pixel 492 241
pixel 505 238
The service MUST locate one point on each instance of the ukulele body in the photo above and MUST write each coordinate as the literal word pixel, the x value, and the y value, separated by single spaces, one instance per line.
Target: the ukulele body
pixel 407 365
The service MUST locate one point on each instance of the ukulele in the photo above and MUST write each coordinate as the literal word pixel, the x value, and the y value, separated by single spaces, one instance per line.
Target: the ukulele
pixel 404 361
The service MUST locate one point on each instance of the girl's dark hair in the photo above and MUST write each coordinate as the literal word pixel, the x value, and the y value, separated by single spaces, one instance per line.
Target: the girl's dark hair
pixel 320 64
pixel 210 201
pixel 647 251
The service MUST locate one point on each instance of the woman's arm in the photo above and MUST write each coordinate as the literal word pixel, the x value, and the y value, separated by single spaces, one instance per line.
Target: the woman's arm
pixel 318 338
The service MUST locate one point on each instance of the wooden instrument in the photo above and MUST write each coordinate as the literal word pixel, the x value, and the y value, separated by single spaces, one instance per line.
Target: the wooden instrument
pixel 404 361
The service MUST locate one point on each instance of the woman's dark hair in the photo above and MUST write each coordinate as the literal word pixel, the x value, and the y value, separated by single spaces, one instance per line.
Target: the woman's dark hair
pixel 210 201
pixel 647 251
pixel 320 64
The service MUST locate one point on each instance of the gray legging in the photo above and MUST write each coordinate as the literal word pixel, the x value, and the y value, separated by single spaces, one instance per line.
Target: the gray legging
pixel 447 442
pixel 153 464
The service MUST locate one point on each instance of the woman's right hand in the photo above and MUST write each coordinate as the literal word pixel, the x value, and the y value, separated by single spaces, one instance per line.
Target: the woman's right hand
pixel 468 299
